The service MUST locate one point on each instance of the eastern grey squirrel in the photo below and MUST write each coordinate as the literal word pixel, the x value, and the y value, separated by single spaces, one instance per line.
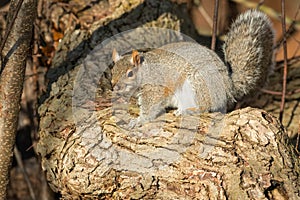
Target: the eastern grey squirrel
pixel 192 78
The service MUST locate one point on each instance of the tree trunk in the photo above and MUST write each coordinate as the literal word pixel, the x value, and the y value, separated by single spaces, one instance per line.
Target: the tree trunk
pixel 87 150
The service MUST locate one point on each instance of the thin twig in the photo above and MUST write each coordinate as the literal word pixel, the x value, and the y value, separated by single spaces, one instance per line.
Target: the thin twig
pixel 291 61
pixel 215 25
pixel 279 93
pixel 292 29
pixel 285 61
pixel 297 143
pixel 20 164
pixel 288 35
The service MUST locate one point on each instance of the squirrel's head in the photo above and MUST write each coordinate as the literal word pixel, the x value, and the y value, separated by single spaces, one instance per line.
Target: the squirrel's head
pixel 125 69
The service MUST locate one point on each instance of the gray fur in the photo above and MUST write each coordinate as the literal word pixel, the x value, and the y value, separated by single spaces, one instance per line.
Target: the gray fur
pixel 248 50
pixel 192 78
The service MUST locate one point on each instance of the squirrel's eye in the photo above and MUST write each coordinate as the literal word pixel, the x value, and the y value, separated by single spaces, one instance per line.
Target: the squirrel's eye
pixel 130 74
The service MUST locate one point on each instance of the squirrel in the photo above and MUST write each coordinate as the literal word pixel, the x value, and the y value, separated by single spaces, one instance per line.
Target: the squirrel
pixel 191 77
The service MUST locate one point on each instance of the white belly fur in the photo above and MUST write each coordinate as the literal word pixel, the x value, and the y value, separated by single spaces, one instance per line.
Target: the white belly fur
pixel 185 99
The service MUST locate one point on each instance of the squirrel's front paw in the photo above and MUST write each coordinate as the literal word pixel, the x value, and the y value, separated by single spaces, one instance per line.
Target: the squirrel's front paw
pixel 135 122
pixel 187 111
pixel 178 112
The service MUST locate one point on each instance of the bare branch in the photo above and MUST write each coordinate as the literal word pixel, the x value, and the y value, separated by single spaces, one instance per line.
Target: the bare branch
pixel 215 25
pixel 285 61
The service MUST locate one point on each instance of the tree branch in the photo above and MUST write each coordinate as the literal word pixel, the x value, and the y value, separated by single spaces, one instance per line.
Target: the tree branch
pixel 14 53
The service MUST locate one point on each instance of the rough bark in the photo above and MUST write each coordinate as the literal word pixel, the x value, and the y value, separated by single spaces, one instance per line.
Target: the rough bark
pixel 271 102
pixel 14 56
pixel 87 151
pixel 242 155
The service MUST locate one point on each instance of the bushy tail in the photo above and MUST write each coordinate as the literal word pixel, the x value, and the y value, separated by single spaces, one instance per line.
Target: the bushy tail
pixel 248 52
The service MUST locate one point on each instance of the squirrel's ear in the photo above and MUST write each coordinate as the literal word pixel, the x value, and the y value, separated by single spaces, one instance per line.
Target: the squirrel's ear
pixel 115 56
pixel 135 58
